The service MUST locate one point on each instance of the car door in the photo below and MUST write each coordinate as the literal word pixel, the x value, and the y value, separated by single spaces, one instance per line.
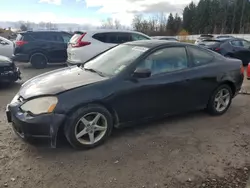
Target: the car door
pixel 202 77
pixel 6 47
pixel 58 50
pixel 164 92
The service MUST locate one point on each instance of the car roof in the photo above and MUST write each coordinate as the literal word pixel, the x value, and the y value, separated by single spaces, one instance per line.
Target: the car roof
pixel 206 35
pixel 164 37
pixel 155 43
pixel 43 31
pixel 224 36
pixel 108 30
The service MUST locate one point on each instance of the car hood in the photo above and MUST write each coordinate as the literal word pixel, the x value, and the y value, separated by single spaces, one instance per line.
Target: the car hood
pixel 57 81
pixel 5 61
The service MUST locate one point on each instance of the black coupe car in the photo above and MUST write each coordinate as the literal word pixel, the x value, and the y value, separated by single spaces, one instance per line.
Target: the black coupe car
pixel 131 82
pixel 8 71
pixel 234 48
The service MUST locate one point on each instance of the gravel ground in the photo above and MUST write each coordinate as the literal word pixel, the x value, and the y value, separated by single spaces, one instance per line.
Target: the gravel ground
pixel 191 150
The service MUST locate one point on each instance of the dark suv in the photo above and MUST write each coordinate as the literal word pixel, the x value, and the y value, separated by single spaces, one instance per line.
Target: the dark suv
pixel 41 47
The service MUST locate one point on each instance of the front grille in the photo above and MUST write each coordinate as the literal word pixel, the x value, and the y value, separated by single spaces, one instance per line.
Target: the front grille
pixel 7 68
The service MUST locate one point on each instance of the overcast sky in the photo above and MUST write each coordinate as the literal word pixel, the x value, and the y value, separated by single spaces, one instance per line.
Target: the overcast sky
pixel 84 11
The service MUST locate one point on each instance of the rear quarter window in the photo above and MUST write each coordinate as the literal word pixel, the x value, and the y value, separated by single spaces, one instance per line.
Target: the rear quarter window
pixel 102 37
pixel 200 56
pixel 24 37
pixel 19 37
pixel 136 36
pixel 210 43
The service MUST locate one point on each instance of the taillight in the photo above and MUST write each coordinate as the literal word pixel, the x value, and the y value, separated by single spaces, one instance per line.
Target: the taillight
pixel 80 43
pixel 21 42
pixel 217 49
pixel 248 71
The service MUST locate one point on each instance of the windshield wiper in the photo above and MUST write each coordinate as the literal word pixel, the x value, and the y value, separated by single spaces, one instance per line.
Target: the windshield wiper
pixel 95 71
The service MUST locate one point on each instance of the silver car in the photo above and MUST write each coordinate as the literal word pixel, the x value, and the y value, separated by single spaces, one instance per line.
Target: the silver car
pixel 6 47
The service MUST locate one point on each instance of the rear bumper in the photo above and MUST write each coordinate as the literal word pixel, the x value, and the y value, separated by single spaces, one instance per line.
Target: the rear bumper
pixel 40 126
pixel 21 57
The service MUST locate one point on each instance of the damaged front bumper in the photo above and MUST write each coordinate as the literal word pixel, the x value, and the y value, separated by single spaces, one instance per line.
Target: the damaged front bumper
pixel 10 74
pixel 40 126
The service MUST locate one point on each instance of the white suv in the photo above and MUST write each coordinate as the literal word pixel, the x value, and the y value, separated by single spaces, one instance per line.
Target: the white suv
pixel 85 45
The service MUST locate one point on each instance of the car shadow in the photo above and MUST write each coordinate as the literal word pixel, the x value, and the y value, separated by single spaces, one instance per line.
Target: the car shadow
pixel 153 124
pixel 148 127
pixel 10 86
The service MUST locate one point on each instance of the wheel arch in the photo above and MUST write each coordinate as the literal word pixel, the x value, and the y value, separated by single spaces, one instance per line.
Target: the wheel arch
pixel 44 53
pixel 111 110
pixel 226 82
pixel 230 84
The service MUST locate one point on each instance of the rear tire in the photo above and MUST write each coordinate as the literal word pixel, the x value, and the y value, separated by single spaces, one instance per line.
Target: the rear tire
pixel 90 120
pixel 38 60
pixel 220 100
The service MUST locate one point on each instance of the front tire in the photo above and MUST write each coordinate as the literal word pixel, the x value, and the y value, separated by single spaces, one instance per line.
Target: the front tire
pixel 38 60
pixel 220 100
pixel 88 127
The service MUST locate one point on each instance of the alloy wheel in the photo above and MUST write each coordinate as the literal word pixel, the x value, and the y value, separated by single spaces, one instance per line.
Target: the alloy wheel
pixel 222 100
pixel 91 128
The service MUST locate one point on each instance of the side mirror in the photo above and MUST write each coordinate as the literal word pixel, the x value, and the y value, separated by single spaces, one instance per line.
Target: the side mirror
pixel 142 73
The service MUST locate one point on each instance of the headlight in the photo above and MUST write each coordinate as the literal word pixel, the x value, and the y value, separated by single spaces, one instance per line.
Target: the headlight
pixel 40 105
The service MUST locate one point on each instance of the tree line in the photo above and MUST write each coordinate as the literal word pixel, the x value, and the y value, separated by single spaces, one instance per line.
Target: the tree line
pixel 205 17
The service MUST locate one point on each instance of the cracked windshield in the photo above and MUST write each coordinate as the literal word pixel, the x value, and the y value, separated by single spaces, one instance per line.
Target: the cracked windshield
pixel 125 93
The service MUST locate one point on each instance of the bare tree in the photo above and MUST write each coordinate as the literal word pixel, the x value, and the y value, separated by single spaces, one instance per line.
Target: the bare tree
pixel 137 22
pixel 107 24
pixel 23 27
pixel 242 16
pixel 117 24
pixel 162 22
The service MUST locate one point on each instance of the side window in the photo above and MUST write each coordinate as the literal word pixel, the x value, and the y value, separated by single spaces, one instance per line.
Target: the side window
pixel 66 38
pixel 246 44
pixel 112 38
pixel 166 60
pixel 200 57
pixel 102 37
pixel 136 36
pixel 44 36
pixel 56 37
pixel 123 37
pixel 236 43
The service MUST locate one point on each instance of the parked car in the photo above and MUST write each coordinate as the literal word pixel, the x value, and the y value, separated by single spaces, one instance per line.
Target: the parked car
pixel 203 37
pixel 41 47
pixel 234 48
pixel 85 45
pixel 8 70
pixel 131 82
pixel 172 39
pixel 221 37
pixel 6 47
